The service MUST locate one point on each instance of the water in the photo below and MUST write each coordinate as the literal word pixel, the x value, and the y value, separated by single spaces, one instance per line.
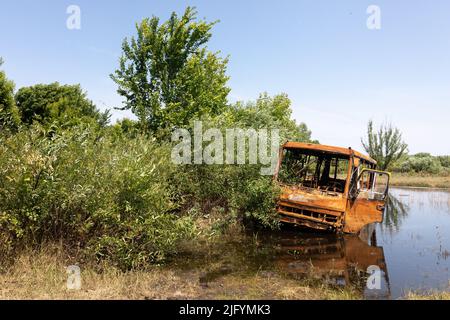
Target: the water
pixel 415 237
pixel 410 250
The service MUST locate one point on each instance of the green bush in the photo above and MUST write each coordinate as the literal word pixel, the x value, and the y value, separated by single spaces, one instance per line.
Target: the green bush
pixel 240 191
pixel 109 196
pixel 421 162
pixel 445 161
pixel 65 105
pixel 9 114
pixel 115 194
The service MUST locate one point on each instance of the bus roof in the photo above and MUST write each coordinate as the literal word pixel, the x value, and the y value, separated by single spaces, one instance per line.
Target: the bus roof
pixel 328 149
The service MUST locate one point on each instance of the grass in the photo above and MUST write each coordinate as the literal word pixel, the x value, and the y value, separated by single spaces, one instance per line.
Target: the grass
pixel 429 296
pixel 418 180
pixel 43 276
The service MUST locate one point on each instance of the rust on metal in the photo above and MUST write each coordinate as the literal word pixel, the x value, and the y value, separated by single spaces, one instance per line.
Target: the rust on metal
pixel 329 188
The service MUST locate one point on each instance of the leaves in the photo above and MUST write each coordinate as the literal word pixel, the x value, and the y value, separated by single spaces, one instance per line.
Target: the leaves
pixel 167 76
pixel 240 191
pixel 421 163
pixel 9 114
pixel 385 146
pixel 55 104
pixel 108 194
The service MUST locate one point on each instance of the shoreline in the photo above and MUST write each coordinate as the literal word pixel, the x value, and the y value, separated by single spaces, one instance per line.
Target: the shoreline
pixel 420 188
pixel 44 276
pixel 441 182
pixel 41 275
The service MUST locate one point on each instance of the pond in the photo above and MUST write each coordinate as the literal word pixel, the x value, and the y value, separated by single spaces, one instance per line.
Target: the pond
pixel 415 238
pixel 411 247
pixel 410 250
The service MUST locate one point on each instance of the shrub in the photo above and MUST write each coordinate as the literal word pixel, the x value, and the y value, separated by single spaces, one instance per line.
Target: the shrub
pixel 241 191
pixel 65 105
pixel 110 197
pixel 9 114
pixel 421 162
pixel 116 195
pixel 445 161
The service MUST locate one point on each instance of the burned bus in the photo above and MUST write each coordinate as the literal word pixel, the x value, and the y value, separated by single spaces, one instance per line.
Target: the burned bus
pixel 329 188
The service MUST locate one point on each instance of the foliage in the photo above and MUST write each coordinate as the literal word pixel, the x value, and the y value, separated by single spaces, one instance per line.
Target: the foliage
pixel 445 161
pixel 242 193
pixel 126 127
pixel 421 162
pixel 113 191
pixel 9 115
pixel 270 113
pixel 60 105
pixel 110 197
pixel 385 146
pixel 167 76
pixel 239 192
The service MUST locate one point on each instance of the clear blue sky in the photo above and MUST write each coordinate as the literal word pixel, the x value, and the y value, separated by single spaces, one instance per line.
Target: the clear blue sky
pixel 338 73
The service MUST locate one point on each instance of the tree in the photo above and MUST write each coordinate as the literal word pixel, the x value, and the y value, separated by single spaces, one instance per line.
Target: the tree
pixel 166 74
pixel 445 161
pixel 9 115
pixel 385 146
pixel 421 162
pixel 269 112
pixel 52 103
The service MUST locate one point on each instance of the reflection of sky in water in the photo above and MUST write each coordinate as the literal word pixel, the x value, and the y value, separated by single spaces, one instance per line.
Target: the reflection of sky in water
pixel 417 250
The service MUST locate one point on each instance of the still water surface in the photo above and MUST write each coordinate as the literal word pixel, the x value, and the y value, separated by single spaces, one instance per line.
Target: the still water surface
pixel 411 248
pixel 415 238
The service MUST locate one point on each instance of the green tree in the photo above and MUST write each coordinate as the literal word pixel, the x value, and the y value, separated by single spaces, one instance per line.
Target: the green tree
pixel 422 162
pixel 240 191
pixel 445 161
pixel 166 74
pixel 9 115
pixel 126 128
pixel 268 112
pixel 386 145
pixel 65 105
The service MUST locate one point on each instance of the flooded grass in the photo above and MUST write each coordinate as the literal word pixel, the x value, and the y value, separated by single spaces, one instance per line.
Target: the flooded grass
pixel 429 296
pixel 43 276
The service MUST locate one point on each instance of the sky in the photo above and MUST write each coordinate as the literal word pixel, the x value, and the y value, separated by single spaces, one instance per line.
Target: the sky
pixel 338 72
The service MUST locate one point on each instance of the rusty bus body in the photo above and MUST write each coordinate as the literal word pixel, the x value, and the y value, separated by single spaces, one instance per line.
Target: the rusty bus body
pixel 329 188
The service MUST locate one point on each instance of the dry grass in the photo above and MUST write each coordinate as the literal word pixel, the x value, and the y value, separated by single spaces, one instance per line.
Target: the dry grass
pixel 427 181
pixel 429 296
pixel 43 276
